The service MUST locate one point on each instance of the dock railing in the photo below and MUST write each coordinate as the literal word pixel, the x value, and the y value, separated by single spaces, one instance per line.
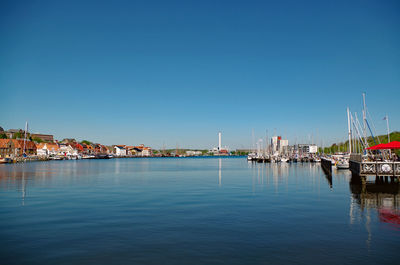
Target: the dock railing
pixel 376 168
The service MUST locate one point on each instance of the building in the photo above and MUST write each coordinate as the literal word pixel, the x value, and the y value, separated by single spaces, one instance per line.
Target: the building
pixel 43 137
pixel 12 132
pixel 142 150
pixel 6 148
pixel 87 149
pixel 219 150
pixel 100 149
pixel 67 150
pixel 119 150
pixel 193 153
pixel 77 146
pixel 48 149
pixel 130 151
pixel 308 148
pixel 279 145
pixel 15 148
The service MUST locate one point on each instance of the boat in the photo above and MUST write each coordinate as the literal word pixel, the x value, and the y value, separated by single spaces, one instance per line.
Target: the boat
pixel 5 160
pixel 284 159
pixel 251 157
pixel 342 164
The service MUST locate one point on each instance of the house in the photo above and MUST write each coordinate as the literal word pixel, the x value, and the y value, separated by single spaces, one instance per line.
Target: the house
pixel 5 148
pixel 47 149
pixel 119 150
pixel 142 150
pixel 87 149
pixel 67 150
pixel 100 149
pixel 77 146
pixel 147 151
pixel 15 148
pixel 130 151
pixel 41 149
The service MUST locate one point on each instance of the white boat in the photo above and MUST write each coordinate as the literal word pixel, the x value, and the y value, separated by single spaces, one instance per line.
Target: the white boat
pixel 342 164
pixel 284 159
pixel 251 157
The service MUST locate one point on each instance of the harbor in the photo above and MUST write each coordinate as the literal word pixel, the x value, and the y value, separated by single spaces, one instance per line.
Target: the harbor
pixel 214 205
pixel 199 132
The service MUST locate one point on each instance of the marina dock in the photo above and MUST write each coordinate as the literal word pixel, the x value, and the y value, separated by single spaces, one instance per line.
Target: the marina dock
pixel 373 168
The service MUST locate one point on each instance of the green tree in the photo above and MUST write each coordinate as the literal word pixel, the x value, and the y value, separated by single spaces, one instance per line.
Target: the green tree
pixel 86 142
pixel 18 135
pixel 3 136
pixel 37 140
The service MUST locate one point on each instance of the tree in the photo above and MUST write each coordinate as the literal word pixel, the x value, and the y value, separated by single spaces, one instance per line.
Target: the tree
pixel 3 136
pixel 86 142
pixel 37 140
pixel 18 135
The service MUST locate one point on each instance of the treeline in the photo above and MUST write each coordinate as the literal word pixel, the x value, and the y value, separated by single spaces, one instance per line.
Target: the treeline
pixel 344 146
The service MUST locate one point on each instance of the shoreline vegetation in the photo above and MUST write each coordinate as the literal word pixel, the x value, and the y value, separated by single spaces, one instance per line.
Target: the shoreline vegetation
pixel 344 146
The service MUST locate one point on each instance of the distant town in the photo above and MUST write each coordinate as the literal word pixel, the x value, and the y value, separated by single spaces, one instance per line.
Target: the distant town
pixel 20 145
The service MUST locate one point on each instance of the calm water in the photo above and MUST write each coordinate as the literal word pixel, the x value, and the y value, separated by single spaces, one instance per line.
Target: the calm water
pixel 193 211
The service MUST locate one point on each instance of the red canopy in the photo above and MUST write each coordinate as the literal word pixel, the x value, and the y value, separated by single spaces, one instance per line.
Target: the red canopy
pixel 376 147
pixel 391 145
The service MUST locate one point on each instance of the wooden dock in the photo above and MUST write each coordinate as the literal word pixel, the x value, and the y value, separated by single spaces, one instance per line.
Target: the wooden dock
pixel 373 168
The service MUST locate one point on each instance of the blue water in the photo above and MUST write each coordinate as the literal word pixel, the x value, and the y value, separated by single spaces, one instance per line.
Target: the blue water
pixel 193 211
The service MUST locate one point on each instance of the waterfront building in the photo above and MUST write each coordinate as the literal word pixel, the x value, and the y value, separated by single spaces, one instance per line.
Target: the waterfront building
pixel 130 150
pixel 119 150
pixel 279 145
pixel 16 148
pixel 67 150
pixel 219 150
pixel 142 150
pixel 308 148
pixel 100 149
pixel 77 146
pixel 87 149
pixel 193 153
pixel 5 148
pixel 47 149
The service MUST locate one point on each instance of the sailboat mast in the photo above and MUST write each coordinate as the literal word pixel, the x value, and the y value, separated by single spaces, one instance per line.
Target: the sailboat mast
pixel 387 125
pixel 364 119
pixel 26 129
pixel 349 128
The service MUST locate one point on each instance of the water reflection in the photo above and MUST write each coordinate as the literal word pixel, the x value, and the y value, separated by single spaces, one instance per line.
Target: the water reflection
pixel 380 193
pixel 285 175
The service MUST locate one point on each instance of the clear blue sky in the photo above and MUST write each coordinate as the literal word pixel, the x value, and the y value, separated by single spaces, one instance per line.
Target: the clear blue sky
pixel 168 72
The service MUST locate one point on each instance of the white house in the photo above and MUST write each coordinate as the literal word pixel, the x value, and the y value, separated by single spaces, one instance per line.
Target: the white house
pixel 119 150
pixel 68 150
pixel 45 149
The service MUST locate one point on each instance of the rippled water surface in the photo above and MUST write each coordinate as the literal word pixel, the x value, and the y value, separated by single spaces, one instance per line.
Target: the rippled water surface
pixel 194 211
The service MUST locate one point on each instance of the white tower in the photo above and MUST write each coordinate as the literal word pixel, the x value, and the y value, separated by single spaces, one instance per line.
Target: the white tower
pixel 219 141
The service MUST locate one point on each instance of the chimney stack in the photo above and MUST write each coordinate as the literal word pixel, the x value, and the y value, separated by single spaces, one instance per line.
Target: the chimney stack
pixel 219 141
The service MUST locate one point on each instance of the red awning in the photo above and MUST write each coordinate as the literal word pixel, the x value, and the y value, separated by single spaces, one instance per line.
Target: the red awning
pixel 376 147
pixel 391 145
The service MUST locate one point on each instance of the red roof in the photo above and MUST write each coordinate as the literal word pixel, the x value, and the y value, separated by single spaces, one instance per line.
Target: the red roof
pixel 4 143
